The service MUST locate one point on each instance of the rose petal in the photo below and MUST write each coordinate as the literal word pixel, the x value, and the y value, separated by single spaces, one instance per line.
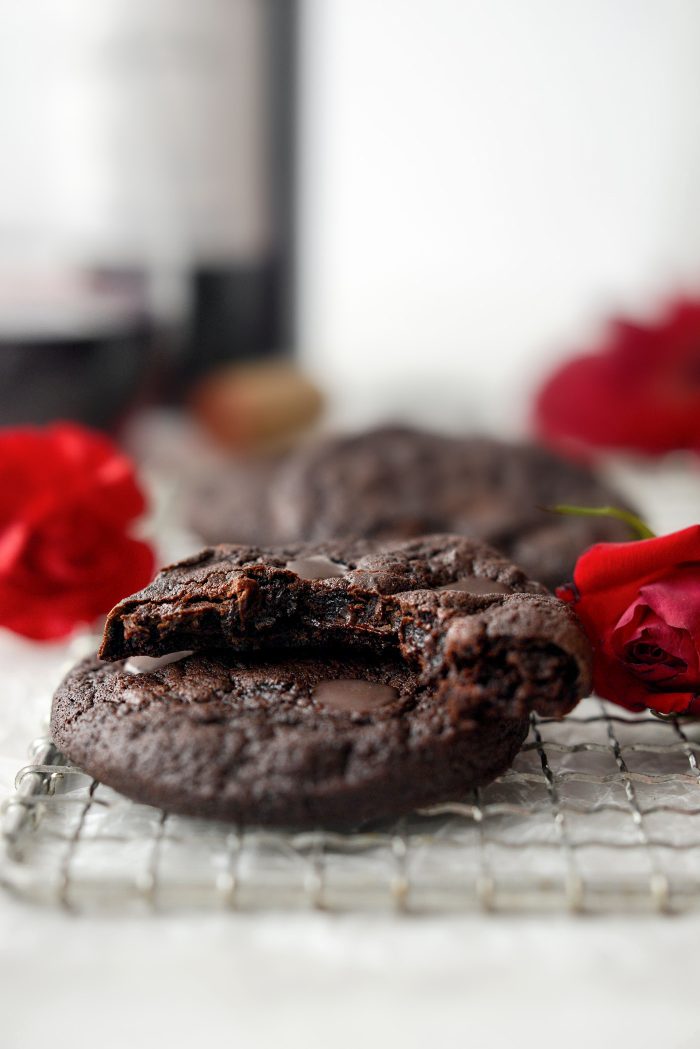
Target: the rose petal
pixel 675 598
pixel 50 617
pixel 641 624
pixel 639 391
pixel 67 495
pixel 611 681
pixel 609 576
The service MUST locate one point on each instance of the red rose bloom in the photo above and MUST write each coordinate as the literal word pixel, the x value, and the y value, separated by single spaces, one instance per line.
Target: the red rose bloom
pixel 639 604
pixel 640 391
pixel 67 499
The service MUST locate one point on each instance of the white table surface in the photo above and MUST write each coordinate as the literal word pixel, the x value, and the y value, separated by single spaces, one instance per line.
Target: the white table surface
pixel 319 980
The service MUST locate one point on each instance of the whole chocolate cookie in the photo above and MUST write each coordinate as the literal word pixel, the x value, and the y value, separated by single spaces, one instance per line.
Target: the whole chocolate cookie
pixel 298 741
pixel 331 684
pixel 400 482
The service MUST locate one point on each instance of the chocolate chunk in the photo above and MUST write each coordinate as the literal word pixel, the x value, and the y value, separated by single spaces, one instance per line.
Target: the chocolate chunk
pixel 352 694
pixel 316 567
pixel 477 585
pixel 147 664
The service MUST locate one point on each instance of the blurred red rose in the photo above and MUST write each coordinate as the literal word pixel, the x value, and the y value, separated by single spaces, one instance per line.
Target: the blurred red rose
pixel 640 391
pixel 67 499
pixel 639 604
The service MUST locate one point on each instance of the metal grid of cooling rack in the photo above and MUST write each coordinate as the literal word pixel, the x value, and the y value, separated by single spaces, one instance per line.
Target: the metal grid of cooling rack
pixel 600 812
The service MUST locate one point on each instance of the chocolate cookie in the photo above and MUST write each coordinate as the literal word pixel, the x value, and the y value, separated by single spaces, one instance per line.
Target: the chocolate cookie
pixel 400 482
pixel 332 684
pixel 297 741
pixel 452 608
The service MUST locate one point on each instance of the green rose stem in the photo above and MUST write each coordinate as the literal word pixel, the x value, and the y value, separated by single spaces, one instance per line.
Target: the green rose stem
pixel 640 529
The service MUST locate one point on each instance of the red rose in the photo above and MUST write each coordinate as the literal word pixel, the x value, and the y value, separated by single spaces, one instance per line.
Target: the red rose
pixel 67 499
pixel 640 391
pixel 639 604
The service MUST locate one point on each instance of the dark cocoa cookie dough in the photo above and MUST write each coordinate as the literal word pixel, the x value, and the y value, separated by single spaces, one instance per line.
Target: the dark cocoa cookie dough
pixel 330 685
pixel 255 741
pixel 404 597
pixel 401 482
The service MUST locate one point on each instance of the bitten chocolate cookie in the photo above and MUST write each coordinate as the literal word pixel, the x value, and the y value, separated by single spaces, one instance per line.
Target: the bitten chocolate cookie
pixel 453 608
pixel 401 482
pixel 332 684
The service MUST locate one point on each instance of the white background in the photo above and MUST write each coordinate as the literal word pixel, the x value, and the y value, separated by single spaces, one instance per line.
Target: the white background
pixel 131 131
pixel 484 183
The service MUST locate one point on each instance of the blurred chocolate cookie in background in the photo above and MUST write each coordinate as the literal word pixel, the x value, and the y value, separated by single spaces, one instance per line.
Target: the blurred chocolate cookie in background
pixel 396 481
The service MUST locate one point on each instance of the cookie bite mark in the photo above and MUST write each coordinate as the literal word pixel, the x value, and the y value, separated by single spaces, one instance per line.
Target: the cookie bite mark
pixel 514 658
pixel 454 611
pixel 233 596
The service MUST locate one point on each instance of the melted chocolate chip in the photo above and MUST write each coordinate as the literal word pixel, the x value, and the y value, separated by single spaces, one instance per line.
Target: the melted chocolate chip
pixel 316 567
pixel 353 695
pixel 145 664
pixel 473 584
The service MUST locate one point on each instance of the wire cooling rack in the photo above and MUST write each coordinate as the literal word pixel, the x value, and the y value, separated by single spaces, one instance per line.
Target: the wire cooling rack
pixel 600 812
